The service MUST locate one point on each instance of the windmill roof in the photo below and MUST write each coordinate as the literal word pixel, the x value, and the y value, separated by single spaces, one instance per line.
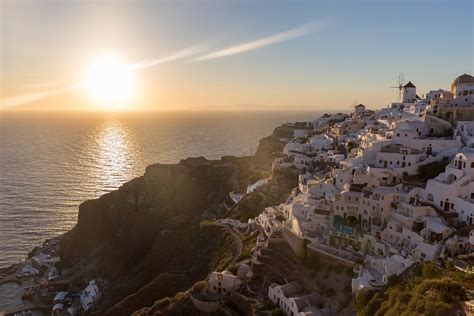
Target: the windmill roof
pixel 409 85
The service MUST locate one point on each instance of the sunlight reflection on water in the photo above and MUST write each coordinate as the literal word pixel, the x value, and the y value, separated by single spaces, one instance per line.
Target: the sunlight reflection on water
pixel 115 150
pixel 51 162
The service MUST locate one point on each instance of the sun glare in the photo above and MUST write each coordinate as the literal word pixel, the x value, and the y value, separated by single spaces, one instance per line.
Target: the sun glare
pixel 109 81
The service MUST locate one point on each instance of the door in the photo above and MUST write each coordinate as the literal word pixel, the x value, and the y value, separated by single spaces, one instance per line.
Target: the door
pixel 446 206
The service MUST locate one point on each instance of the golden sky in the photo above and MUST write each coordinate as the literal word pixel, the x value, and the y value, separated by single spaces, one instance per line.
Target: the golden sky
pixel 203 55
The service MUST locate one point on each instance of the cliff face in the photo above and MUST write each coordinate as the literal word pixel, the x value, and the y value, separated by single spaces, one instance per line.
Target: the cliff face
pixel 271 145
pixel 151 226
pixel 148 239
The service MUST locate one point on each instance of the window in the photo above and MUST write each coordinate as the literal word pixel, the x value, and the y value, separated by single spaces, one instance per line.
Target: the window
pixel 472 164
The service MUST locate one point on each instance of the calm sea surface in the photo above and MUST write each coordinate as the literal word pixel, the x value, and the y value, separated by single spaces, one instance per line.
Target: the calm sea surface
pixel 51 162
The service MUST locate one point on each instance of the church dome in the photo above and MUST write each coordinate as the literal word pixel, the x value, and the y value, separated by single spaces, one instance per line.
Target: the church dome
pixel 465 78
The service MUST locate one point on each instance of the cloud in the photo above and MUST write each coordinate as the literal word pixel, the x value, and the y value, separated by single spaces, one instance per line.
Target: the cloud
pixel 42 85
pixel 187 52
pixel 267 41
pixel 184 53
pixel 36 96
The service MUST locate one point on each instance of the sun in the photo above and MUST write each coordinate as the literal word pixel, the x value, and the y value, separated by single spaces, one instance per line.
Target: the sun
pixel 109 81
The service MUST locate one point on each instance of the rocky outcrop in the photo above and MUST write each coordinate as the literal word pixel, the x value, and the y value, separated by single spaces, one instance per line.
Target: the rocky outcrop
pixel 271 146
pixel 148 238
pixel 151 226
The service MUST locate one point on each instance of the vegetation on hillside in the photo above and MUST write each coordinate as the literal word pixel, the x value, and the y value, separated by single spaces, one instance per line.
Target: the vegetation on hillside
pixel 422 290
pixel 427 172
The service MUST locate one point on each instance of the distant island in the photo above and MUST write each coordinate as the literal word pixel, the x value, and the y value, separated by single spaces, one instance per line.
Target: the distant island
pixel 367 213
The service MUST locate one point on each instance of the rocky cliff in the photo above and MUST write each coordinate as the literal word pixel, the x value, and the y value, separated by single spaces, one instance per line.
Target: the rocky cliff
pixel 147 238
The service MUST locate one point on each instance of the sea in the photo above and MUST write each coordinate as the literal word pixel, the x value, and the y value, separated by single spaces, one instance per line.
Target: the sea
pixel 50 162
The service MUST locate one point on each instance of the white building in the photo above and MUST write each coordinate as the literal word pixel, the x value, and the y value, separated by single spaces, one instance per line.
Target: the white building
pixel 359 110
pixel 453 190
pixel 422 136
pixel 294 301
pixel 223 282
pixel 376 270
pixel 395 156
pixel 466 130
pixel 321 142
pixel 90 295
pixel 409 93
pixel 462 89
pixel 434 95
pixel 268 221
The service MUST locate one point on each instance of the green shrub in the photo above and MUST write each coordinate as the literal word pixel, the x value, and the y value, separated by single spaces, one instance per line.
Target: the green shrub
pixel 418 291
pixel 430 270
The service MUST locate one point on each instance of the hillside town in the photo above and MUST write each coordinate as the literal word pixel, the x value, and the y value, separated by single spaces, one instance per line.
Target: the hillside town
pixel 378 192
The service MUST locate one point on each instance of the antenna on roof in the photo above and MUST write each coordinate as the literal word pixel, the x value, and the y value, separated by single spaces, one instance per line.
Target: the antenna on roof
pixel 401 81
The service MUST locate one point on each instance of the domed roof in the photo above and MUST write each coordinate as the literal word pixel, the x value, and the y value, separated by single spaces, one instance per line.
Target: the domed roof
pixel 465 78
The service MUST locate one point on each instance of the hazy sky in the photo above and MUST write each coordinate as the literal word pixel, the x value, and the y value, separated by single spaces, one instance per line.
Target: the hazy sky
pixel 237 54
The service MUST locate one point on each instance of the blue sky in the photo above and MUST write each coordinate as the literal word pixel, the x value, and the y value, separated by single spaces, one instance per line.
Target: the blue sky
pixel 357 55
